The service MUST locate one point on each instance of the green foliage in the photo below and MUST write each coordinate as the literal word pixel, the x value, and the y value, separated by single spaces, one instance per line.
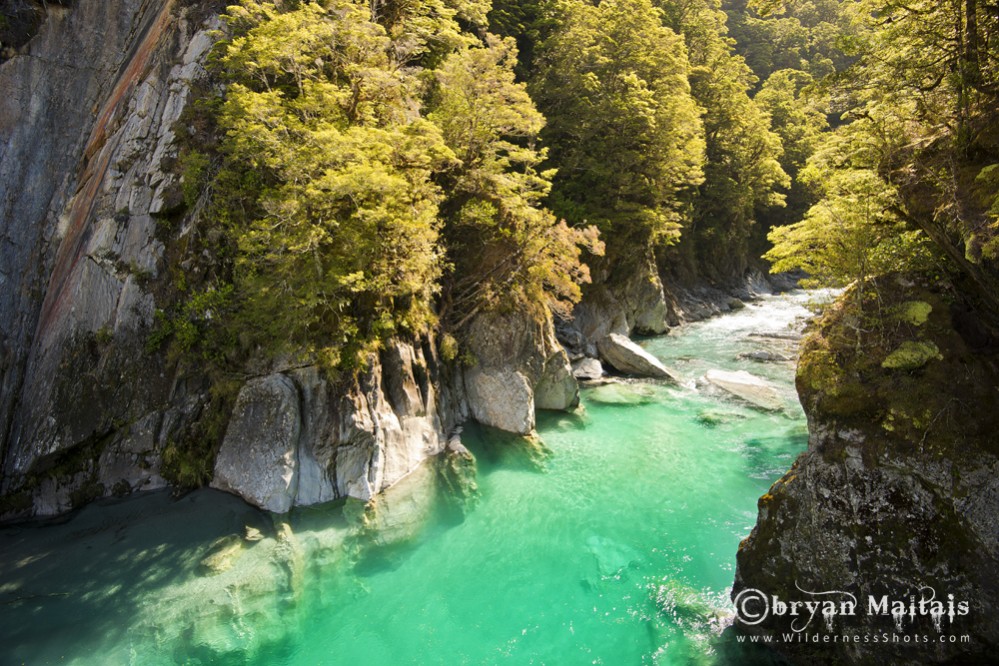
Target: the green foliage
pixel 905 181
pixel 366 154
pixel 104 335
pixel 988 185
pixel 188 459
pixel 194 171
pixel 426 31
pixel 794 117
pixel 530 22
pixel 802 35
pixel 448 347
pixel 742 172
pixel 854 231
pixel 198 326
pixel 788 98
pixel 850 235
pixel 507 250
pixel 938 59
pixel 336 233
pixel 624 131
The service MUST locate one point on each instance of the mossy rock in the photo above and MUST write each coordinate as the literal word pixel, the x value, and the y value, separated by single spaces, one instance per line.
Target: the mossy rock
pixel 912 355
pixel 916 313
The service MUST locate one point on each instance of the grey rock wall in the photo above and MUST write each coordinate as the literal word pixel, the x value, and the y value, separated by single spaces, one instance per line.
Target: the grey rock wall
pixel 52 95
pixel 295 440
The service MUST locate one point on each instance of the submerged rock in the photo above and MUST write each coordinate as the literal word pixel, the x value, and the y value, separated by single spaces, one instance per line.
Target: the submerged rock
pixel 752 389
pixel 222 555
pixel 620 393
pixel 399 514
pixel 685 605
pixel 459 472
pixel 763 356
pixel 628 358
pixel 715 417
pixel 612 557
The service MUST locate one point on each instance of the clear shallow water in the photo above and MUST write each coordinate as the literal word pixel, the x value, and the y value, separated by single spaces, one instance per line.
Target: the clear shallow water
pixel 618 547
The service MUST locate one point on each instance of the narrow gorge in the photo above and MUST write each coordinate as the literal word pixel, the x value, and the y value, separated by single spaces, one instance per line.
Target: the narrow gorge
pixel 465 331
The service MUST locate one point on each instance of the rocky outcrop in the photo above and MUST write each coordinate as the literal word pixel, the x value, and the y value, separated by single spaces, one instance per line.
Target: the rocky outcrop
pixel 626 299
pixel 87 124
pixel 95 231
pixel 628 358
pixel 295 439
pixel 897 495
pixel 519 366
pixel 98 236
pixel 694 302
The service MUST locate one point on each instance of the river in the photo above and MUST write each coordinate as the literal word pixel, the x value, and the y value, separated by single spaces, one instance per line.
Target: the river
pixel 614 545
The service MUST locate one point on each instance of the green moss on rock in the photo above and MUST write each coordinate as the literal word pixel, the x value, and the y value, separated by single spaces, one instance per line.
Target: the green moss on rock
pixel 915 312
pixel 912 355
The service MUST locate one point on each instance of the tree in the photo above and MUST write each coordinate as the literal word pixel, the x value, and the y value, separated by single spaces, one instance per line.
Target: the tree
pixel 623 130
pixel 506 249
pixel 849 236
pixel 854 231
pixel 742 170
pixel 922 96
pixel 335 235
pixel 802 35
pixel 797 120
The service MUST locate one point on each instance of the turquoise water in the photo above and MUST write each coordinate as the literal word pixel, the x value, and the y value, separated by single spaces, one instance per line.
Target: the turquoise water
pixel 615 546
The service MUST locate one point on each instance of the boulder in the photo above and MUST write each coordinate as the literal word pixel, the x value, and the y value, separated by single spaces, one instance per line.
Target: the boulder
pixel 519 366
pixel 258 459
pixel 628 358
pixel 501 399
pixel 750 388
pixel 587 369
pixel 557 388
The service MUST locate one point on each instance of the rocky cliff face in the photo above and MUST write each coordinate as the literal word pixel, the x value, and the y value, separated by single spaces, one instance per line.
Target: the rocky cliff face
pixel 294 439
pixel 86 127
pixel 898 492
pixel 95 227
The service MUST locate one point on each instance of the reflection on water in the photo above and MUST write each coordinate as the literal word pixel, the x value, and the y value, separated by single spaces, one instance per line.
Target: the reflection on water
pixel 612 542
